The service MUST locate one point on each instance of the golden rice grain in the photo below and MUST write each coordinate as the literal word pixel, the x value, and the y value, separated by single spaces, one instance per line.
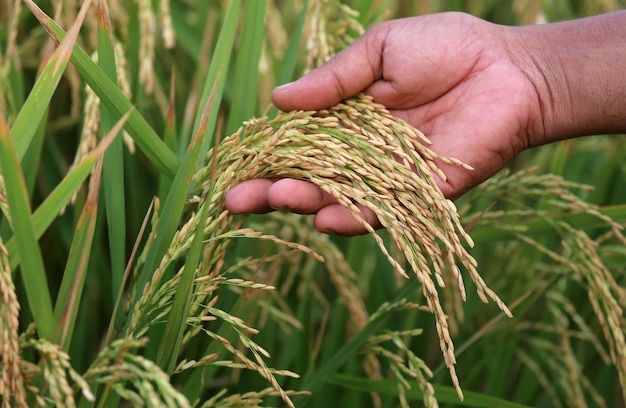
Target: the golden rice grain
pixel 348 152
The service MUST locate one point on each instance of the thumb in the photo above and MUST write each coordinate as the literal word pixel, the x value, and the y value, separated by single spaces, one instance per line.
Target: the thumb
pixel 349 72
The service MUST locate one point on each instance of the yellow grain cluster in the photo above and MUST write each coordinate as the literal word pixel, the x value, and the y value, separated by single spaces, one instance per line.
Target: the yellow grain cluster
pixel 11 381
pixel 363 156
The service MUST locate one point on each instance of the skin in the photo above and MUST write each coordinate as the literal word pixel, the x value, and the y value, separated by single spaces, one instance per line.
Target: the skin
pixel 481 92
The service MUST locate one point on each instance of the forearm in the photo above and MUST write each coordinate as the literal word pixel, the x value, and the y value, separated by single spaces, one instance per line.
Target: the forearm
pixel 579 71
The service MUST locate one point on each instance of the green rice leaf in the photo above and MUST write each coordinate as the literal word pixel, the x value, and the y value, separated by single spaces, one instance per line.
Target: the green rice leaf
pixel 245 80
pixel 137 126
pixel 62 194
pixel 32 158
pixel 68 300
pixel 36 105
pixel 218 71
pixel 288 65
pixel 177 319
pixel 172 209
pixel 290 60
pixel 171 135
pixel 26 245
pixel 351 347
pixel 446 395
pixel 539 226
pixel 113 167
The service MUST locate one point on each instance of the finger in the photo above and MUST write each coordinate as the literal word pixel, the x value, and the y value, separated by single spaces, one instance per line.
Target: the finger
pixel 249 197
pixel 387 92
pixel 336 219
pixel 298 196
pixel 349 72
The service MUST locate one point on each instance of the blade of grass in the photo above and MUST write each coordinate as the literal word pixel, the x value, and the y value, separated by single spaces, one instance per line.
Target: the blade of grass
pixel 290 60
pixel 245 78
pixel 444 394
pixel 26 245
pixel 36 105
pixel 32 157
pixel 539 226
pixel 137 126
pixel 113 166
pixel 115 316
pixel 520 306
pixel 288 64
pixel 195 383
pixel 61 195
pixel 68 300
pixel 171 136
pixel 173 207
pixel 349 349
pixel 177 319
pixel 11 73
pixel 605 181
pixel 216 77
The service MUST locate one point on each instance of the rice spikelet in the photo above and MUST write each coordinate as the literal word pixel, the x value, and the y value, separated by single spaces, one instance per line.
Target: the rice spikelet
pixel 362 155
pixel 11 381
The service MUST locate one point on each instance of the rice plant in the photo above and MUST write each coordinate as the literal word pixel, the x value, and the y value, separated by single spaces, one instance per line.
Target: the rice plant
pixel 124 280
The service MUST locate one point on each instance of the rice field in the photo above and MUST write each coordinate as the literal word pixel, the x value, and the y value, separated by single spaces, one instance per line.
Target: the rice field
pixel 125 282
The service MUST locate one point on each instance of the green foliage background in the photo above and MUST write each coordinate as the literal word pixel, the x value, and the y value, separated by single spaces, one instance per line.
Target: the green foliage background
pixel 553 352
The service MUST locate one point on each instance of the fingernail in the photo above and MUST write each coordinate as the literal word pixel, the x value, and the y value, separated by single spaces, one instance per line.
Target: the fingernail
pixel 283 86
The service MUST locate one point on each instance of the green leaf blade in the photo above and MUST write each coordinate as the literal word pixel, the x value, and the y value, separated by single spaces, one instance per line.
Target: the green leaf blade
pixel 113 166
pixel 245 80
pixel 444 394
pixel 137 126
pixel 75 274
pixel 216 77
pixel 26 244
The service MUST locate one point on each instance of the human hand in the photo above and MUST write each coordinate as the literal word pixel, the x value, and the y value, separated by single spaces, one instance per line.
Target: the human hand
pixel 450 75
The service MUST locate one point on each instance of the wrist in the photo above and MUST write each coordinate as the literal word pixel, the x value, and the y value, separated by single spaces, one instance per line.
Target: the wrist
pixel 578 70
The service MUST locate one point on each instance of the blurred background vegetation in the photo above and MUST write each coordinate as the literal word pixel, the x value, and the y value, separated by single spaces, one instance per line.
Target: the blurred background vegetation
pixel 555 352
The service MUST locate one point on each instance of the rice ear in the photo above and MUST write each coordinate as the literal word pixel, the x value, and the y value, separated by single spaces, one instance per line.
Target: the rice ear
pixel 360 154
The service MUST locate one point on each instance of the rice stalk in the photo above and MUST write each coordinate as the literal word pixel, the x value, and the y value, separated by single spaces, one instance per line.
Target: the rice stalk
pixel 565 327
pixel 606 296
pixel 360 154
pixel 147 22
pixel 10 55
pixel 404 364
pixel 252 399
pixel 564 314
pixel 133 377
pixel 579 258
pixel 343 278
pixel 331 26
pixel 258 364
pixel 59 379
pixel 91 108
pixel 11 381
pixel 559 372
pixel 167 28
pixel 4 205
pixel 155 304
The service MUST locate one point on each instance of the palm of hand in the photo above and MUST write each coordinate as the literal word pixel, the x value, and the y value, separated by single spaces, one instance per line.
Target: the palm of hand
pixel 461 90
pixel 445 74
